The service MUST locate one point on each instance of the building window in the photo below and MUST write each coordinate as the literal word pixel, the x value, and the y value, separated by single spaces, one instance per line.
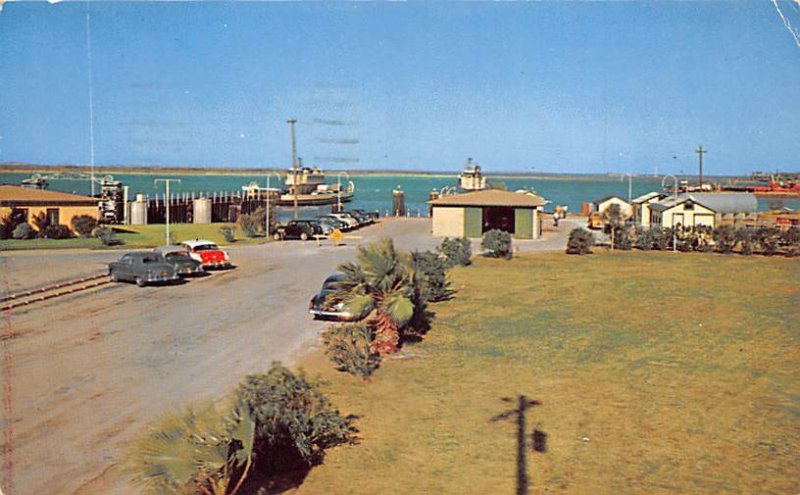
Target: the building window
pixel 689 205
pixel 19 215
pixel 53 216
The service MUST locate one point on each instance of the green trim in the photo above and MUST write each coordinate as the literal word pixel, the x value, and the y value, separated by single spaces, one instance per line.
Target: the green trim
pixel 523 224
pixel 473 222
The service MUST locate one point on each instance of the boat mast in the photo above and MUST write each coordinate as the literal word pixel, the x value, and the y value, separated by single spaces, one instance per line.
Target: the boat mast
pixel 291 123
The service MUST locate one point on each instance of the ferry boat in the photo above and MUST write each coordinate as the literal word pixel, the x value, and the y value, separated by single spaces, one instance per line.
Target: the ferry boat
pixel 309 187
pixel 769 186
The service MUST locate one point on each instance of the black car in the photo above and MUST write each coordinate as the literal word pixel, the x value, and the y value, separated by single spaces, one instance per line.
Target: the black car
pixel 178 256
pixel 321 308
pixel 298 229
pixel 143 268
pixel 360 217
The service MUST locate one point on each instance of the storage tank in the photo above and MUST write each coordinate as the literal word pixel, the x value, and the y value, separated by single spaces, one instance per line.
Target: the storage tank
pixel 201 210
pixel 139 211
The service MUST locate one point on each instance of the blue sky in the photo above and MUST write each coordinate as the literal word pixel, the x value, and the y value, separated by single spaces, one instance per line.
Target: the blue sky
pixel 554 87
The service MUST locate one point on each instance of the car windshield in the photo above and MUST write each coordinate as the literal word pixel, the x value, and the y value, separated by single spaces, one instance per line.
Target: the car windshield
pixel 206 247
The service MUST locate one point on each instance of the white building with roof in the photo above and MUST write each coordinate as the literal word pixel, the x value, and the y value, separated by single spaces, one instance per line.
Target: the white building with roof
pixel 697 209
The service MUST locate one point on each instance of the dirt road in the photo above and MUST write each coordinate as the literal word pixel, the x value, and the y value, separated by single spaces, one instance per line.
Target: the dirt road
pixel 88 372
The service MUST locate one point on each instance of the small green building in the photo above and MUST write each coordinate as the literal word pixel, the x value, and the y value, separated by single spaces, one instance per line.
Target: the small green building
pixel 473 213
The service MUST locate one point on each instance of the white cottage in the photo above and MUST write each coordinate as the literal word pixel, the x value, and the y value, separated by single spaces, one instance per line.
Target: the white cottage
pixel 696 209
pixel 602 205
pixel 641 206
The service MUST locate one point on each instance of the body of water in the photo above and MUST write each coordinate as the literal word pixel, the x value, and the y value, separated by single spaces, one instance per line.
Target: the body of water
pixel 374 192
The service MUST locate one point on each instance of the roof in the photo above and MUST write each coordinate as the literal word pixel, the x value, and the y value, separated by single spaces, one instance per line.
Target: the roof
pixel 27 194
pixel 648 196
pixel 490 197
pixel 718 202
pixel 197 242
pixel 603 200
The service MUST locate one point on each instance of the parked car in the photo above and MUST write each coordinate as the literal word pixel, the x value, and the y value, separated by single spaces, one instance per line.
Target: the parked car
pixel 143 268
pixel 350 220
pixel 333 222
pixel 360 217
pixel 371 215
pixel 321 308
pixel 179 257
pixel 298 229
pixel 327 226
pixel 207 253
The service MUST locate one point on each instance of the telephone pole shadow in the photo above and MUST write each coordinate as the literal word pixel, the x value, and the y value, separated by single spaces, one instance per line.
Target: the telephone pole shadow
pixel 539 443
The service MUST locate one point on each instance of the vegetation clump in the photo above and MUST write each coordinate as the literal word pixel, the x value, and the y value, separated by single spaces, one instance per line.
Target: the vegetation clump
pixel 57 231
pixel 456 251
pixel 23 231
pixel 228 233
pixel 432 268
pixel 84 225
pixel 107 236
pixel 497 244
pixel 580 241
pixel 350 348
pixel 295 422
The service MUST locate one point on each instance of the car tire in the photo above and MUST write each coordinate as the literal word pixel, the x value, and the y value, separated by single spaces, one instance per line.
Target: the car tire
pixel 276 236
pixel 140 282
pixel 114 277
pixel 303 236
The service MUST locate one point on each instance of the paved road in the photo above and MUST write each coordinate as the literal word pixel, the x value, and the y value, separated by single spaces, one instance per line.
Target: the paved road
pixel 89 371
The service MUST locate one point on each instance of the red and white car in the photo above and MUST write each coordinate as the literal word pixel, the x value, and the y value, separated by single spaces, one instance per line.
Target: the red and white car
pixel 207 253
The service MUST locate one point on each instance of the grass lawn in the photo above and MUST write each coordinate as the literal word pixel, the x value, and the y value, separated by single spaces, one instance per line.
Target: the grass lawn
pixel 137 236
pixel 657 373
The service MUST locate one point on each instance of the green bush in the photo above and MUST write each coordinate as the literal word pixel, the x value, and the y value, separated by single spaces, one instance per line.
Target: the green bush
pixel 8 224
pixel 349 347
pixel 56 232
pixel 747 240
pixel 107 236
pixel 663 239
pixel 790 242
pixel 249 224
pixel 431 268
pixel 84 225
pixel 23 231
pixel 497 244
pixel 645 238
pixel 580 241
pixel 295 422
pixel 623 238
pixel 41 221
pixel 228 233
pixel 456 251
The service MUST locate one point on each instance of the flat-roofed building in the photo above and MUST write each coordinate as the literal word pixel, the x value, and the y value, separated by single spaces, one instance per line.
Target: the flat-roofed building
pixel 474 213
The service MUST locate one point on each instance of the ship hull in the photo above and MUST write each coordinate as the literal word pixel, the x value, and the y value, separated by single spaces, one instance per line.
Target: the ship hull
pixel 313 199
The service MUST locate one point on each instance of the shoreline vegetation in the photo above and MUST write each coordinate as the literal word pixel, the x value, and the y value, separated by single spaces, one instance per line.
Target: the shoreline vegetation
pixel 22 168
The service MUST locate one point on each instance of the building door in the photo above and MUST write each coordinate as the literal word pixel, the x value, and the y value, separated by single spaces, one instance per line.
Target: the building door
pixel 523 223
pixel 499 218
pixel 472 222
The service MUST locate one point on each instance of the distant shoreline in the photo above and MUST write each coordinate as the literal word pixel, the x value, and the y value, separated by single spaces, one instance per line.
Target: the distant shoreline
pixel 22 168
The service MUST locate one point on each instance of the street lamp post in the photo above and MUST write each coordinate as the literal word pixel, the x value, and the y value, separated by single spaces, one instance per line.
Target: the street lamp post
pixel 674 231
pixel 166 184
pixel 291 123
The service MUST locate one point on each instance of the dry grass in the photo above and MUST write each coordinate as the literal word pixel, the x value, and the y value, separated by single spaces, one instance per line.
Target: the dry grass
pixel 657 373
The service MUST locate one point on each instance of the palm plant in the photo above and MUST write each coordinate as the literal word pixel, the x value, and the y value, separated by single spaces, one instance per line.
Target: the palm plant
pixel 380 288
pixel 198 451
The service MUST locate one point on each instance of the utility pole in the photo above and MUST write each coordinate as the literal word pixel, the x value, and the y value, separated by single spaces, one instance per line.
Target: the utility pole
pixel 523 404
pixel 168 204
pixel 700 152
pixel 91 97
pixel 291 123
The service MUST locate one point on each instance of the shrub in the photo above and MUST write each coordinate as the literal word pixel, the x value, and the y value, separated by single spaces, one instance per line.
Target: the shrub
pixel 747 239
pixel 497 244
pixel 107 236
pixel 23 231
pixel 624 238
pixel 295 422
pixel 249 225
pixel 580 241
pixel 431 268
pixel 663 239
pixel 228 233
pixel 84 225
pixel 790 241
pixel 456 251
pixel 7 226
pixel 645 238
pixel 725 239
pixel 56 232
pixel 349 347
pixel 768 238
